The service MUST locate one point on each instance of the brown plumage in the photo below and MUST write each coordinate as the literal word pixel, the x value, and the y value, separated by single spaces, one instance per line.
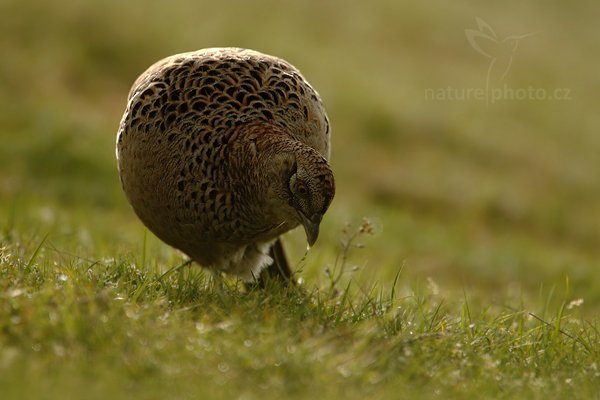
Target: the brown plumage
pixel 220 151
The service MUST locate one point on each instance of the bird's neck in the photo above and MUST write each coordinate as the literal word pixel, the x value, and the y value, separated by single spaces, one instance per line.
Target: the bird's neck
pixel 260 157
pixel 259 145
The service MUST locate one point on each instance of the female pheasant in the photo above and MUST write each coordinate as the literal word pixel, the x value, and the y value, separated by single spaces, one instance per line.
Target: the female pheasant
pixel 221 151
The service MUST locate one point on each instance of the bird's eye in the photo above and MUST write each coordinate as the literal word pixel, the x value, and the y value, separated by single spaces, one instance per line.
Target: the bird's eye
pixel 302 190
pixel 298 187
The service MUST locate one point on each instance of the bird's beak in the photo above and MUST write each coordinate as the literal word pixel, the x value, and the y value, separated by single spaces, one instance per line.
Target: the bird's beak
pixel 311 227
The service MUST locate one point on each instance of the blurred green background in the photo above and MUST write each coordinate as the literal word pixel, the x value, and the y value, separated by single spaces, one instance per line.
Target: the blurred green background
pixel 499 198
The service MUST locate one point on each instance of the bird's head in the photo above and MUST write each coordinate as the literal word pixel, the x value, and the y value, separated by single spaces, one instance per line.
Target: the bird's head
pixel 311 188
pixel 298 184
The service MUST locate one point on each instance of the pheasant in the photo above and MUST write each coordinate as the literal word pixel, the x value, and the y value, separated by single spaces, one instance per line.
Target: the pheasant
pixel 221 151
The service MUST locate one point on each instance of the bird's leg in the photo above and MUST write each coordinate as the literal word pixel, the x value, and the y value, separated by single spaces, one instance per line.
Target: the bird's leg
pixel 279 269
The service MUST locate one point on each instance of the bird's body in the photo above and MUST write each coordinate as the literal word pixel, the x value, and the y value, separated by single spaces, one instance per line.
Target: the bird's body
pixel 221 151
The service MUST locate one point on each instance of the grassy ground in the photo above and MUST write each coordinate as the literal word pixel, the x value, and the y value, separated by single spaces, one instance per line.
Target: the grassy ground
pixel 474 275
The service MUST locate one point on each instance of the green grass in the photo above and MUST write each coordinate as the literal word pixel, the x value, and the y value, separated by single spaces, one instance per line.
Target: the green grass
pixel 476 274
pixel 95 329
